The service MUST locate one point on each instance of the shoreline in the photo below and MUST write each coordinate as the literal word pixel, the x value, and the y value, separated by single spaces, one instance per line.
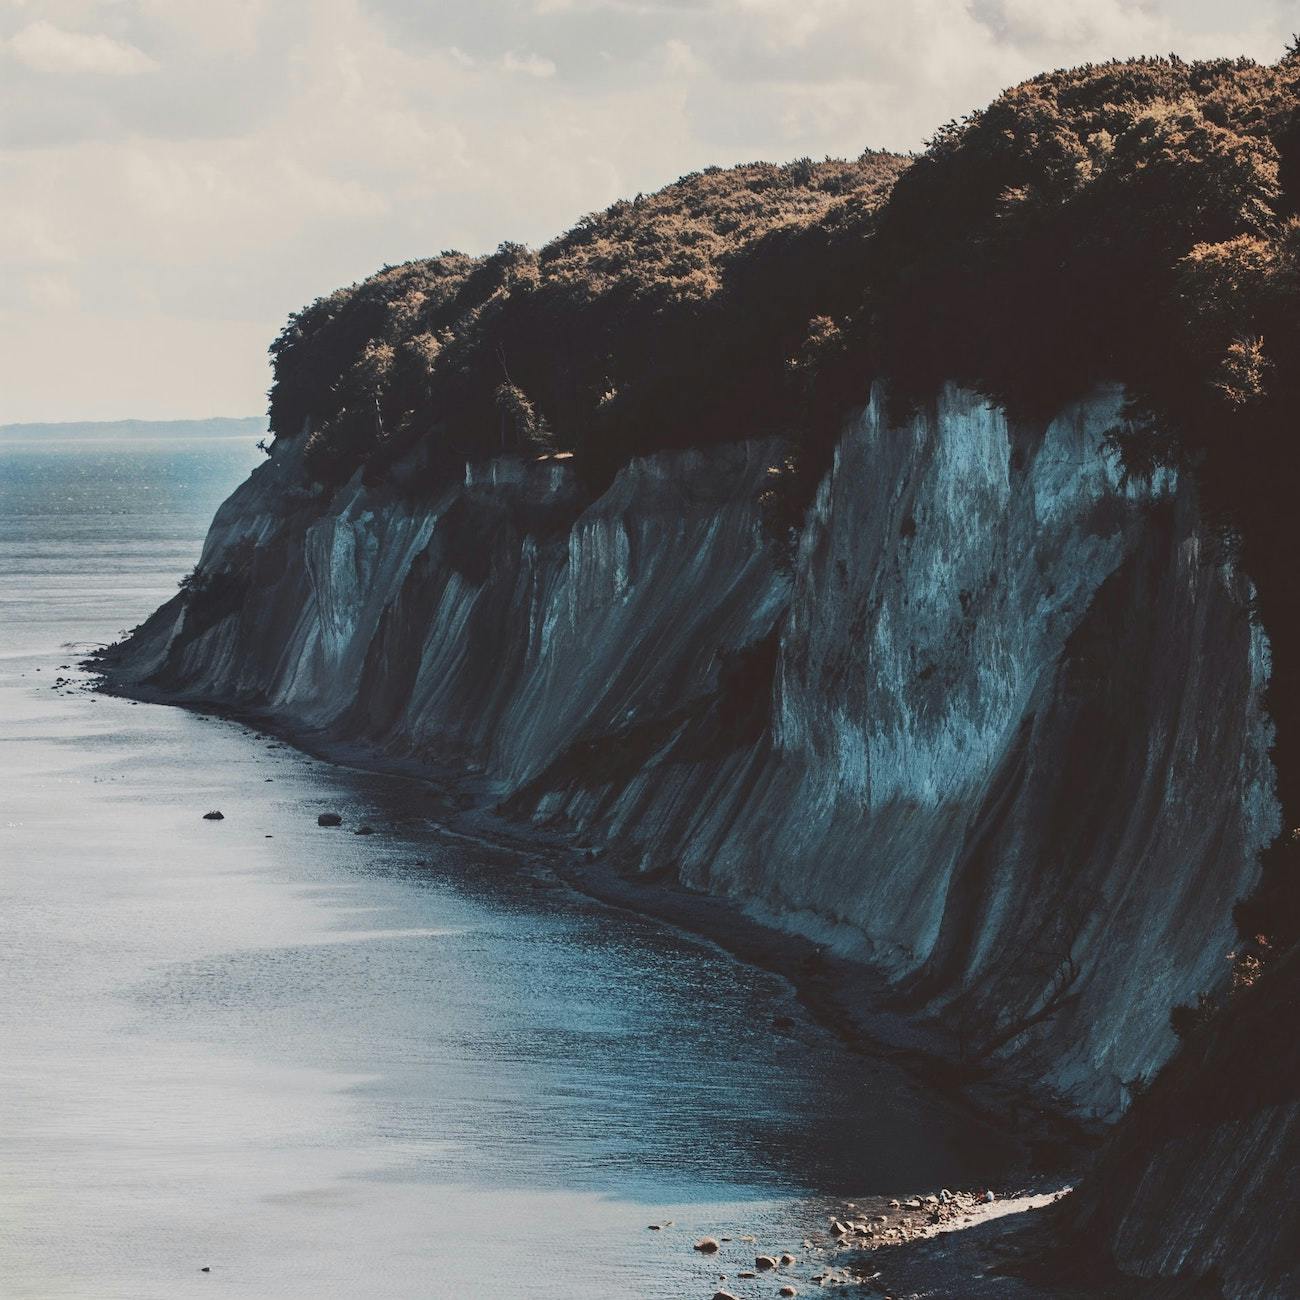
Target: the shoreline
pixel 840 995
pixel 987 1245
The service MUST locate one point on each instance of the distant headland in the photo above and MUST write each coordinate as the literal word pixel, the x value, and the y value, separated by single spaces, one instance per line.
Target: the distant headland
pixel 162 430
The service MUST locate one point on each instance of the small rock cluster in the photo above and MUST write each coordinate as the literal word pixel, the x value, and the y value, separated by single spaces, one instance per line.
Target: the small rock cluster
pixel 841 1256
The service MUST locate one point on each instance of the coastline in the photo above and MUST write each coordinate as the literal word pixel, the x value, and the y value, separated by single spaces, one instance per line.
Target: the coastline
pixel 1003 1248
pixel 843 997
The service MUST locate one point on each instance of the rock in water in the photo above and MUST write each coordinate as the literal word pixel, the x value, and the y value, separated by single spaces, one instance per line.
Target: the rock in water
pixel 764 1262
pixel 329 819
pixel 708 1245
pixel 216 815
pixel 723 1295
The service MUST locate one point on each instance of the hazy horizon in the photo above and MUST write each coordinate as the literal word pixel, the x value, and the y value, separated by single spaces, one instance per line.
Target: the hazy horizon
pixel 181 177
pixel 130 427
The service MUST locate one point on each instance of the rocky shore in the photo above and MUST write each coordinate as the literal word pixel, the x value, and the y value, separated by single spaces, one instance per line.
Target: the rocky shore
pixel 945 1244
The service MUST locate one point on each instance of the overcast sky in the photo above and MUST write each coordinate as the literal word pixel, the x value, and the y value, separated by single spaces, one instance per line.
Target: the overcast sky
pixel 176 176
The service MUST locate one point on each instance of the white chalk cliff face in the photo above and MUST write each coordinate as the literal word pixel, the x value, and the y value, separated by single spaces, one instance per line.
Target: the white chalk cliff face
pixel 999 733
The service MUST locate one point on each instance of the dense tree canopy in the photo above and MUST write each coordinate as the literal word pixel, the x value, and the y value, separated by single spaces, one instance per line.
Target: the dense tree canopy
pixel 663 320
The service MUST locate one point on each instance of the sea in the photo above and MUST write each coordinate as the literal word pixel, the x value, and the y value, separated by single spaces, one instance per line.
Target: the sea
pixel 254 1057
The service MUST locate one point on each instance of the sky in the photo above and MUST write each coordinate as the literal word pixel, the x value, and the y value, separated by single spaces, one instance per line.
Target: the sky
pixel 177 176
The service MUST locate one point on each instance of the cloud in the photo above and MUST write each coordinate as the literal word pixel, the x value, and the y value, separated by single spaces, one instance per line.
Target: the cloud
pixel 531 65
pixel 278 148
pixel 28 239
pixel 43 47
pixel 53 292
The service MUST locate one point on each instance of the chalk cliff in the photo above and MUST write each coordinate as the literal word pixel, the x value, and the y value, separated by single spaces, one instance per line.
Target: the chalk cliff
pixel 998 734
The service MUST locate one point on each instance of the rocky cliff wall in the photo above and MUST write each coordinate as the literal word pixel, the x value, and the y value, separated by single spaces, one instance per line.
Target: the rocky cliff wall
pixel 998 734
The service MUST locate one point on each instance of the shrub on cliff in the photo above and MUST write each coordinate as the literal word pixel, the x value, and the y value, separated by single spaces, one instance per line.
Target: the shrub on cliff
pixel 521 425
pixel 212 592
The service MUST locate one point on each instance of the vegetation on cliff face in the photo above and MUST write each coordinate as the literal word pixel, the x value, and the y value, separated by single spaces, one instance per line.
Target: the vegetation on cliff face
pixel 1132 222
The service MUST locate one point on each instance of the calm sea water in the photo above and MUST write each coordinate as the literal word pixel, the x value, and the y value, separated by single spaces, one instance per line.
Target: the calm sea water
pixel 331 1066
